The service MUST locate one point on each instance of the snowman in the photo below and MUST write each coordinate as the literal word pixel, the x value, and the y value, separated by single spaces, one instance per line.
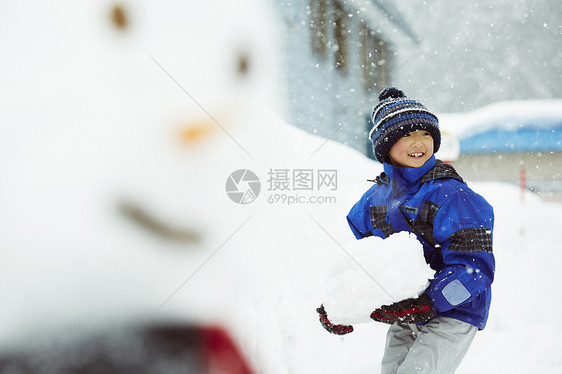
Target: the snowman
pixel 116 115
pixel 121 125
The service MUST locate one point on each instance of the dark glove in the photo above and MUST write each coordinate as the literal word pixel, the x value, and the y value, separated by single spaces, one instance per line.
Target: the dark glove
pixel 329 326
pixel 405 311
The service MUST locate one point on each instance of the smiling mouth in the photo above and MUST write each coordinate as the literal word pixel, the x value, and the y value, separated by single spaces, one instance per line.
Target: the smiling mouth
pixel 416 154
pixel 153 225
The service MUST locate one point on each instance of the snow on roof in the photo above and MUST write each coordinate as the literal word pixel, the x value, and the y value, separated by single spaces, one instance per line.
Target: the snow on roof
pixel 514 126
pixel 507 116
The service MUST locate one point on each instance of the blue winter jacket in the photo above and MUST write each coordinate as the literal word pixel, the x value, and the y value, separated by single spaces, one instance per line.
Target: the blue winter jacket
pixel 453 223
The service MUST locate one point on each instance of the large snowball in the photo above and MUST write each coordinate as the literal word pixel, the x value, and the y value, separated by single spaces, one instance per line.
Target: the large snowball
pixel 377 272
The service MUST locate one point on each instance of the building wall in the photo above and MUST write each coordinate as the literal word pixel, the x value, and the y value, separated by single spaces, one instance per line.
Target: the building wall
pixel 542 170
pixel 323 98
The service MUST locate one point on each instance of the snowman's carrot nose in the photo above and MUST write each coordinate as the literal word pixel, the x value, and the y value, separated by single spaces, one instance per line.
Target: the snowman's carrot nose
pixel 196 132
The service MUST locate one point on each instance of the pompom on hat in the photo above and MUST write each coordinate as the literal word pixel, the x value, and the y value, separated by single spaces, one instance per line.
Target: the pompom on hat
pixel 394 117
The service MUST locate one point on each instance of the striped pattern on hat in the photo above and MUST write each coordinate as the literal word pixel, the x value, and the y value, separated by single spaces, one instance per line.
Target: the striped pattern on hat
pixel 394 117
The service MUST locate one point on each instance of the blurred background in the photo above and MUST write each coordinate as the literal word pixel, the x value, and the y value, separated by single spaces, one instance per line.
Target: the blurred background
pixel 453 57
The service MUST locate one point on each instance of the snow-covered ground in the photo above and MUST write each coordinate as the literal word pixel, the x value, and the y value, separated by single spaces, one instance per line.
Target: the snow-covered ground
pixel 526 296
pixel 292 275
pixel 115 149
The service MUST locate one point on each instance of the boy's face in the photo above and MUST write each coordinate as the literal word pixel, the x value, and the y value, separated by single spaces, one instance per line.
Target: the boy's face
pixel 412 150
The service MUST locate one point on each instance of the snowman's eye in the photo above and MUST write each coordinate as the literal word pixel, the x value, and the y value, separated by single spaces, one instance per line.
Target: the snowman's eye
pixel 243 64
pixel 119 18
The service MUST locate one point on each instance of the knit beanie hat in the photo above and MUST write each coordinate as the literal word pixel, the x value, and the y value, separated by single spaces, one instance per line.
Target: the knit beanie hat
pixel 394 117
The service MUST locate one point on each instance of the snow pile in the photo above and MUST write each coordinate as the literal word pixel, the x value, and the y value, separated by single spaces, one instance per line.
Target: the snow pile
pixel 377 272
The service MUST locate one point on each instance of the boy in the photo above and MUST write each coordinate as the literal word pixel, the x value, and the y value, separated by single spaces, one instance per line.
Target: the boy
pixel 422 195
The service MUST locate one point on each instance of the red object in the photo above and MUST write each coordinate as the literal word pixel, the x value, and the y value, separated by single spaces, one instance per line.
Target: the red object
pixel 402 313
pixel 405 311
pixel 329 326
pixel 220 354
pixel 180 348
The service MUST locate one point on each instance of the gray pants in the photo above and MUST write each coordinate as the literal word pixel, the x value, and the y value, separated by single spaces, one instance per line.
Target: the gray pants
pixel 437 347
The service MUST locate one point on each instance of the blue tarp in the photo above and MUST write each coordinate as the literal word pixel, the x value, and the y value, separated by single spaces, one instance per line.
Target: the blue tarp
pixel 498 140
